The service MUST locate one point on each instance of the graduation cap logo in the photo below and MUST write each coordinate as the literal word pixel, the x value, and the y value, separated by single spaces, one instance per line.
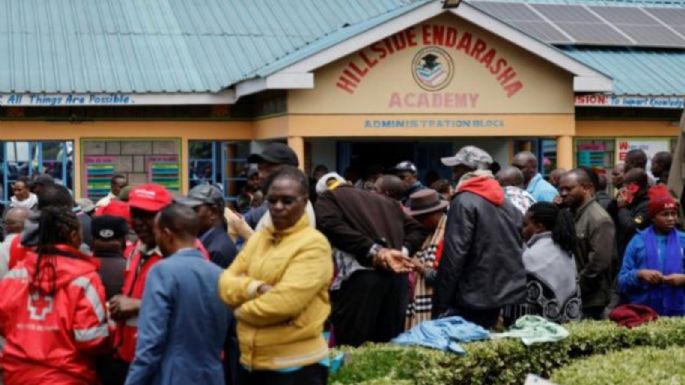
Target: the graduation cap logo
pixel 432 68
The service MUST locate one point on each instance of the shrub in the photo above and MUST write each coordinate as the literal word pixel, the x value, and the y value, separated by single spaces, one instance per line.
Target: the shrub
pixel 502 361
pixel 638 366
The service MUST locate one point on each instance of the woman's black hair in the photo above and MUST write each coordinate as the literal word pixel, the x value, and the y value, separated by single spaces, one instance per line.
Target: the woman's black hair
pixel 56 225
pixel 558 221
pixel 288 172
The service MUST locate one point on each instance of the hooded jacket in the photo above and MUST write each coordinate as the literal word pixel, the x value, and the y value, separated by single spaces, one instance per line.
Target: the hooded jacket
pixel 481 265
pixel 53 338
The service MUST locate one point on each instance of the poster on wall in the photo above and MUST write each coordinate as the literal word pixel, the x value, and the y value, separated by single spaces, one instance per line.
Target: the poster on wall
pixel 591 155
pixel 649 145
pixel 164 170
pixel 98 173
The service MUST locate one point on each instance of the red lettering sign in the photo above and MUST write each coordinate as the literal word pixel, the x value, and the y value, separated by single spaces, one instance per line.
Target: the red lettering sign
pixel 454 41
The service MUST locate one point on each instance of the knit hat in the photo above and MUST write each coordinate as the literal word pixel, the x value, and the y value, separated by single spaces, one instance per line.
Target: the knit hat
pixel 660 199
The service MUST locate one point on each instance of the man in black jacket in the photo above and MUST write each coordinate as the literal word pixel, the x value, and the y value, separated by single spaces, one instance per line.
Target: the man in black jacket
pixel 629 209
pixel 481 269
pixel 372 239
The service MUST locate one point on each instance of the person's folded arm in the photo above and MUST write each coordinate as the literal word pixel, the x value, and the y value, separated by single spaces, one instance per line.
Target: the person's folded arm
pixel 305 276
pixel 235 286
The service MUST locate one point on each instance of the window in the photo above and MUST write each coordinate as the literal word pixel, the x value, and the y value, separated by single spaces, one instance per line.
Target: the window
pixel 595 153
pixel 29 158
pixel 222 163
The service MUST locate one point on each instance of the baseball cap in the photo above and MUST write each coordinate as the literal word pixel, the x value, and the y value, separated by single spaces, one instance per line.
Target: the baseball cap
pixel 276 153
pixel 406 166
pixel 149 197
pixel 470 156
pixel 204 194
pixel 108 227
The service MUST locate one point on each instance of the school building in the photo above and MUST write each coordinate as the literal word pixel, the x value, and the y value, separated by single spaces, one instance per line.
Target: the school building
pixel 180 93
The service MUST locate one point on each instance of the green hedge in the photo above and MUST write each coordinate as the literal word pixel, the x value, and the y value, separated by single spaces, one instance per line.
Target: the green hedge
pixel 502 361
pixel 639 366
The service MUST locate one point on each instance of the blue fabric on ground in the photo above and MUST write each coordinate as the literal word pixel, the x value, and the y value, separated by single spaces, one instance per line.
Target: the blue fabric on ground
pixel 443 334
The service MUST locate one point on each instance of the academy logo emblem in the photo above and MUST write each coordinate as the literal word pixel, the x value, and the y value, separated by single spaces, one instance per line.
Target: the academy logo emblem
pixel 432 68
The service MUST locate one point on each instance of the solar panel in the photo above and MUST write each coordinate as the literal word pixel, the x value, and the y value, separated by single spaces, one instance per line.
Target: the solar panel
pixel 624 15
pixel 543 31
pixel 567 13
pixel 640 26
pixel 670 16
pixel 651 35
pixel 523 18
pixel 594 34
pixel 508 11
pixel 592 25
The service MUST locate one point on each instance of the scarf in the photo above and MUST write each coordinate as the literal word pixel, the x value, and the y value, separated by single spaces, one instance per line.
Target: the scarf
pixel 664 299
pixel 429 251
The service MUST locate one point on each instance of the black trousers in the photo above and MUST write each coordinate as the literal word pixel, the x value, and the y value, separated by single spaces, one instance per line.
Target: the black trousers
pixel 369 306
pixel 110 370
pixel 309 375
pixel 485 318
pixel 594 313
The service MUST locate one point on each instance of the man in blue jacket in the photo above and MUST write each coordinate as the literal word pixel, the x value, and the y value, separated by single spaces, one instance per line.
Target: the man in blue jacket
pixel 535 183
pixel 182 322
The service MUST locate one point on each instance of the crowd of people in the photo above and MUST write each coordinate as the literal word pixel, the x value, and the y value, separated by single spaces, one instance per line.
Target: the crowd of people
pixel 144 287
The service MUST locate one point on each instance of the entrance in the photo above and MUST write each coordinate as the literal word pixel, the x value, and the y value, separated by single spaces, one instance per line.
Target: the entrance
pixel 360 157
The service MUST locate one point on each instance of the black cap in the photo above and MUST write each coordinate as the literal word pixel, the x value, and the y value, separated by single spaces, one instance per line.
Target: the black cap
pixel 108 227
pixel 204 194
pixel 276 153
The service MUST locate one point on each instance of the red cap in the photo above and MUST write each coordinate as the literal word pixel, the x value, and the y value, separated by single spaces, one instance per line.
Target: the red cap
pixel 660 199
pixel 149 197
pixel 115 208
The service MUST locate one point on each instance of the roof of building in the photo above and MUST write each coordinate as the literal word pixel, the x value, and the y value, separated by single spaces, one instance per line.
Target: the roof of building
pixel 178 46
pixel 610 3
pixel 171 46
pixel 636 71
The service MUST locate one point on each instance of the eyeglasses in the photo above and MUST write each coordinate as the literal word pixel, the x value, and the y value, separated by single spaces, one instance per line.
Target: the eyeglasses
pixel 286 200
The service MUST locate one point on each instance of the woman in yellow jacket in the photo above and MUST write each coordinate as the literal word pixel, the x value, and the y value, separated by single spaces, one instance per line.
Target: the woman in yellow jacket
pixel 278 289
